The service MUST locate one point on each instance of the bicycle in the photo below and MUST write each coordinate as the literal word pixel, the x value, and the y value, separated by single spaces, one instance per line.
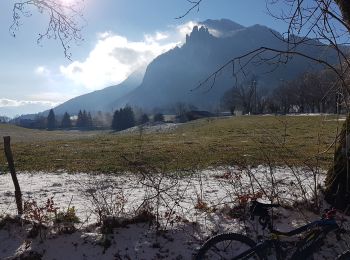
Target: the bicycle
pixel 237 246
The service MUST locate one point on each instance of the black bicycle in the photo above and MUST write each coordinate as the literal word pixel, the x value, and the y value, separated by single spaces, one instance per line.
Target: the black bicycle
pixel 237 246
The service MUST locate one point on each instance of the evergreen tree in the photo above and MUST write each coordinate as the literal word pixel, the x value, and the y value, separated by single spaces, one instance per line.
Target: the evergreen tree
pixel 116 119
pixel 89 122
pixel 144 119
pixel 159 117
pixel 129 118
pixel 51 120
pixel 84 119
pixel 80 119
pixel 123 118
pixel 66 122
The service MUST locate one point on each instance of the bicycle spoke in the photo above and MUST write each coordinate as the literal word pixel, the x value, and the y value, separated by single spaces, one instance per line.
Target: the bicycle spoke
pixel 227 249
pixel 217 251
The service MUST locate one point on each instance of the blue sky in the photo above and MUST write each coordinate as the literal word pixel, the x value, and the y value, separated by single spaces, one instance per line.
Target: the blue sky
pixel 35 77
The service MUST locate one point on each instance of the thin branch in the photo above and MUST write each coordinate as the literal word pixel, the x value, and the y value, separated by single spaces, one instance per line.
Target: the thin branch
pixel 255 53
pixel 195 4
pixel 65 21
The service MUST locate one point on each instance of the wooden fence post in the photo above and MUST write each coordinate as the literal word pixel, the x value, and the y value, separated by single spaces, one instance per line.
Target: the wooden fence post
pixel 11 164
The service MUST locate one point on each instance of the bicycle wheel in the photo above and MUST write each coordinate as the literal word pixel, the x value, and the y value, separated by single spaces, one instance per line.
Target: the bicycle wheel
pixel 344 256
pixel 227 246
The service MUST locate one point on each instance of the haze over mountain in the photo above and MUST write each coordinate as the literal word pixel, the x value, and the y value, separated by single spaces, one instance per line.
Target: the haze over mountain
pixel 102 100
pixel 172 77
pixel 15 110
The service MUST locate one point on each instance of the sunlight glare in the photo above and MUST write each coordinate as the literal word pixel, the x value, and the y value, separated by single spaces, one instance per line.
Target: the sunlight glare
pixel 67 2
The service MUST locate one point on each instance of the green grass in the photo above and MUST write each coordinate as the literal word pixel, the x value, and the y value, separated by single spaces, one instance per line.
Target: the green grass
pixel 280 140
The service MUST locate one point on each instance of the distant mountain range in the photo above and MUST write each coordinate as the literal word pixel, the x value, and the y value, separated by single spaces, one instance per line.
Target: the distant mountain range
pixel 172 77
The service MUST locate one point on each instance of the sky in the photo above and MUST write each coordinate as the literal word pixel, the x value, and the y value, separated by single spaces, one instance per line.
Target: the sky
pixel 119 36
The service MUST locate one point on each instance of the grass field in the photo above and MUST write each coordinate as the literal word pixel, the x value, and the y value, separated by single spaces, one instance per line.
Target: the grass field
pixel 279 140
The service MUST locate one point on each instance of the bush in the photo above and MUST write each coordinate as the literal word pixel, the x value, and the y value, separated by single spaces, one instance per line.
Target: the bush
pixel 68 216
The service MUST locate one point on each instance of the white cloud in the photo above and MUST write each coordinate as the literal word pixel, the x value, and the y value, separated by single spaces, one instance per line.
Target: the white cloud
pixel 52 97
pixel 104 35
pixel 42 70
pixel 184 29
pixel 18 103
pixel 114 58
pixel 158 36
pixel 13 108
pixel 161 36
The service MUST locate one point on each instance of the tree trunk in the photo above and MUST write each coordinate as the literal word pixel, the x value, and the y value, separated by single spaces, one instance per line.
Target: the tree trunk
pixel 337 182
pixel 338 177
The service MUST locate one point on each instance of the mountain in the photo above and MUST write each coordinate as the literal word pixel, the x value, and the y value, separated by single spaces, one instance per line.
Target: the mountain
pixel 101 100
pixel 173 76
pixel 222 28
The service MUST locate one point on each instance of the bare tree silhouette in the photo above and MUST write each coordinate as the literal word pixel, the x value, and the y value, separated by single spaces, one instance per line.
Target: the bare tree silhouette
pixel 65 20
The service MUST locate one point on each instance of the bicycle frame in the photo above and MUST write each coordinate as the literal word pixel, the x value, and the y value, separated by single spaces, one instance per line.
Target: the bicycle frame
pixel 318 231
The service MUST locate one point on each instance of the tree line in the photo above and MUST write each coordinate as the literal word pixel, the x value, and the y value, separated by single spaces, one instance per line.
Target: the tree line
pixel 125 118
pixel 82 120
pixel 309 93
pixel 121 119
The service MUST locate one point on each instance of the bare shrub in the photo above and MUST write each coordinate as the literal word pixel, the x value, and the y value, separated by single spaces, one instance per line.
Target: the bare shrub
pixel 164 195
pixel 40 214
pixel 48 216
pixel 106 197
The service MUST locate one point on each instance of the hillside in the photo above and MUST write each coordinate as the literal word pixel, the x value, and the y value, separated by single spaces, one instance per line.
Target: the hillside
pixel 101 100
pixel 171 77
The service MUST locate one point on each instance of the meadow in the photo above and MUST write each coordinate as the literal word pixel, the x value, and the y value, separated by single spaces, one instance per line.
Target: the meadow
pixel 163 215
pixel 305 141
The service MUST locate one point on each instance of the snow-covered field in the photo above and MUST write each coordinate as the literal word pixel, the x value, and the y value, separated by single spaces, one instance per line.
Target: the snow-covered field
pixel 152 127
pixel 188 208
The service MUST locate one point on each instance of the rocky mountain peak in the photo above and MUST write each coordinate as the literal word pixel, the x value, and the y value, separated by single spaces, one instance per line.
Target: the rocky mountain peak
pixel 198 34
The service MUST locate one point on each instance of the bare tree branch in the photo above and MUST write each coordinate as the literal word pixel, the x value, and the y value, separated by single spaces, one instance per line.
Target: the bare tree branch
pixel 250 56
pixel 65 21
pixel 195 4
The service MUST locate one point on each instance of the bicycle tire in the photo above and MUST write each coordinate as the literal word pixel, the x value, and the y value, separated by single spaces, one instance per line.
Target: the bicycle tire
pixel 210 249
pixel 344 256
